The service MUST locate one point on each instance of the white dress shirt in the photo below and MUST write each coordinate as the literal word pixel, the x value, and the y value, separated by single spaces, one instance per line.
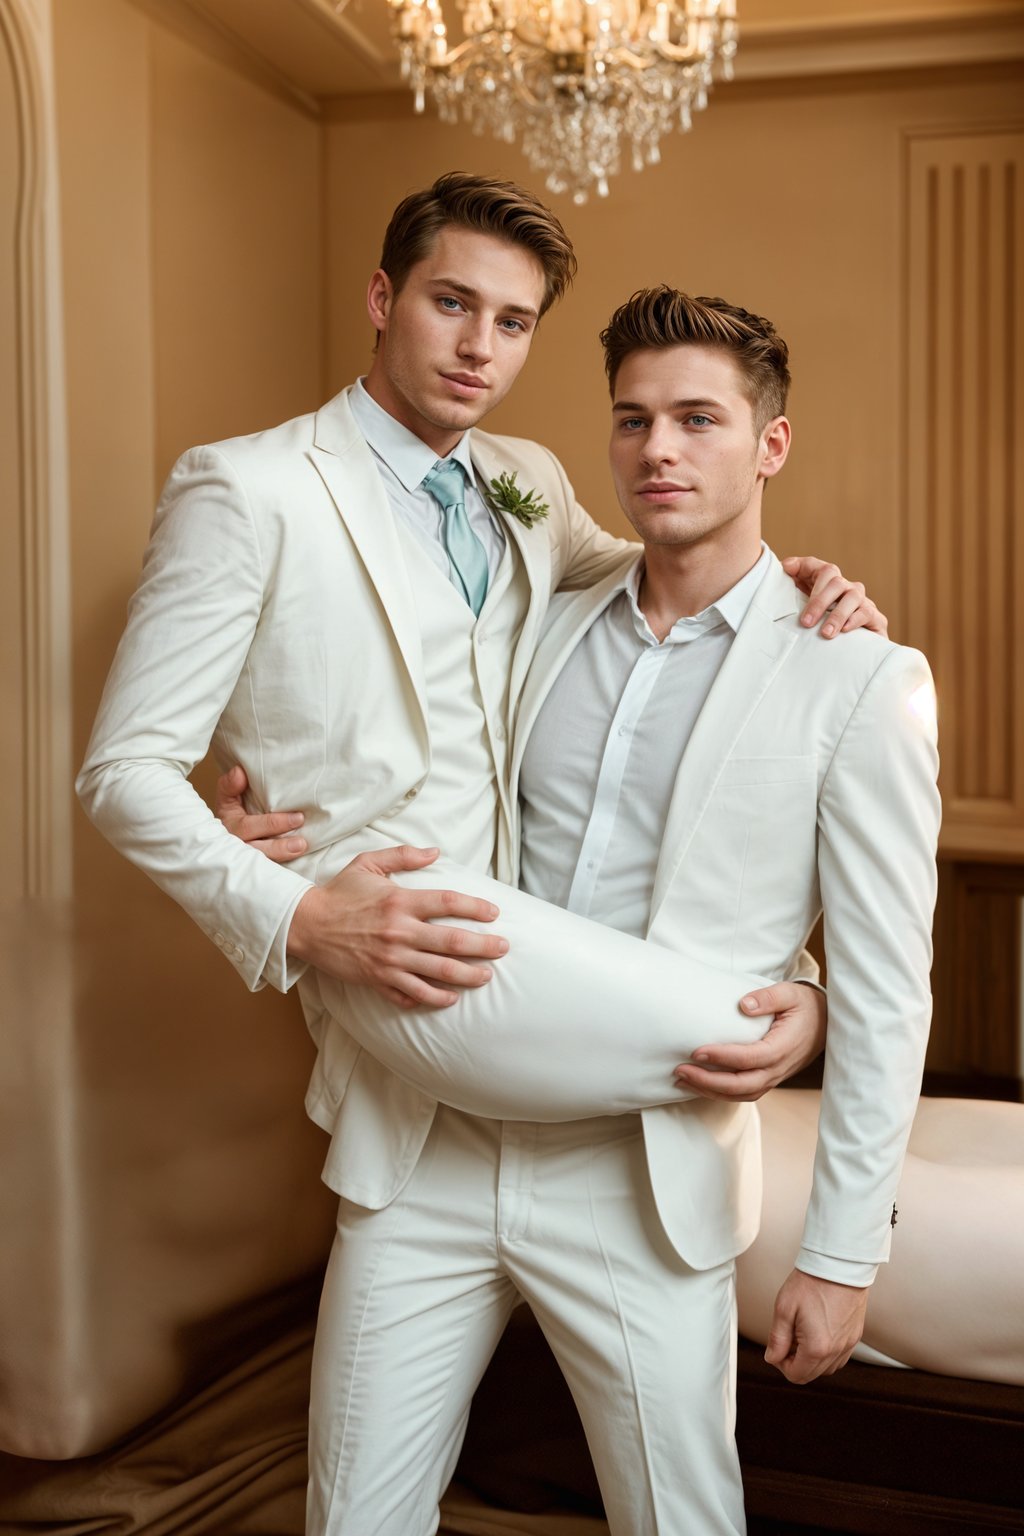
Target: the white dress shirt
pixel 602 759
pixel 403 460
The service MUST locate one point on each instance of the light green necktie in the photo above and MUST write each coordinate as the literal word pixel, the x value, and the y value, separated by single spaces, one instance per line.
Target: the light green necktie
pixel 446 483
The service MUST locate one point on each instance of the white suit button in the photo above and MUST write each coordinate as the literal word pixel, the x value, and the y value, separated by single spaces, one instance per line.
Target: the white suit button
pixel 411 794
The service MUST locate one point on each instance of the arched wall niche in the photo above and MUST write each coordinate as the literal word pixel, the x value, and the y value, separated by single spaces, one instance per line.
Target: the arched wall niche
pixel 35 764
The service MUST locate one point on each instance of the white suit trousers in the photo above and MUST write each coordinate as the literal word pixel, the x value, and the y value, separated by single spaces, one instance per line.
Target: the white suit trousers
pixel 417 1295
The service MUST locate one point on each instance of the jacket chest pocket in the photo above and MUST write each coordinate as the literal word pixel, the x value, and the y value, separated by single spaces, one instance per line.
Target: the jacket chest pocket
pixel 768 772
pixel 760 826
pixel 765 808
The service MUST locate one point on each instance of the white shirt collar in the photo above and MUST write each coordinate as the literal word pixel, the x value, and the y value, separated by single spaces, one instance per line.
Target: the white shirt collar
pixel 406 455
pixel 731 608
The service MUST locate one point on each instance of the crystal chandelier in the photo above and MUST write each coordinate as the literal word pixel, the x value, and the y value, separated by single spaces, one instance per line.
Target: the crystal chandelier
pixel 573 80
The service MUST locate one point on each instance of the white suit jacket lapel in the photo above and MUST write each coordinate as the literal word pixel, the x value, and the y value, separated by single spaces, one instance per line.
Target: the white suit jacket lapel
pixel 347 468
pixel 569 621
pixel 534 546
pixel 755 656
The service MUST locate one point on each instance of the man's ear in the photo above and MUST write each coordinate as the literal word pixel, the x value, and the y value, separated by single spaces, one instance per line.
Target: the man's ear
pixel 773 447
pixel 379 298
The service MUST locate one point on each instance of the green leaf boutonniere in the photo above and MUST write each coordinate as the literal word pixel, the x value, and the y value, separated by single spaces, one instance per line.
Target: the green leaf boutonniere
pixel 505 496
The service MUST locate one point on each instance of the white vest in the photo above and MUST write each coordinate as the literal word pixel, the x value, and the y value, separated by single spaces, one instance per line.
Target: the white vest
pixel 457 807
pixel 466 667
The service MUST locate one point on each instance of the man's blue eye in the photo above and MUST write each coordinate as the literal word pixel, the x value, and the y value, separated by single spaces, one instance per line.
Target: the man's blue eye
pixel 700 421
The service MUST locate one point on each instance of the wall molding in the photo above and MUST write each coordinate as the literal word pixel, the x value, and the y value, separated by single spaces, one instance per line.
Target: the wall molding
pixel 195 24
pixel 880 42
pixel 963 337
pixel 45 857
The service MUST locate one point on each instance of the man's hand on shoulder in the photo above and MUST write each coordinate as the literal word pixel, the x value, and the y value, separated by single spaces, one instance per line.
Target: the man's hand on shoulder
pixel 739 1073
pixel 843 605
pixel 816 1326
pixel 361 927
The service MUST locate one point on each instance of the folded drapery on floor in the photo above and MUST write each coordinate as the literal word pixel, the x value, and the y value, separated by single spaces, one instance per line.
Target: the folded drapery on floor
pixel 230 1458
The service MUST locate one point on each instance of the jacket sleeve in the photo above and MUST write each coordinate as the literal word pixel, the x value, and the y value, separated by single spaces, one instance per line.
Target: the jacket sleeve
pixel 190 624
pixel 878 821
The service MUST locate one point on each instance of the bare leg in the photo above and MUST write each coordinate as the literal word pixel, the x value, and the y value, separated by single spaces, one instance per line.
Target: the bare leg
pixel 578 1020
pixel 949 1299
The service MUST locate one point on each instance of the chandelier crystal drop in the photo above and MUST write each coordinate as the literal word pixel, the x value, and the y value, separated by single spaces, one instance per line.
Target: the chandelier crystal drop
pixel 577 82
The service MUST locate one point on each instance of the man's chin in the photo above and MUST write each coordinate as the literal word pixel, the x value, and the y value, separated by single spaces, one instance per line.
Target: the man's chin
pixel 458 415
pixel 667 528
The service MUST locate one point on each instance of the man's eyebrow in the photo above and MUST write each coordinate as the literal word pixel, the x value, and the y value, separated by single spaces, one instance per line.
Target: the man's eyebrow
pixel 452 285
pixel 677 405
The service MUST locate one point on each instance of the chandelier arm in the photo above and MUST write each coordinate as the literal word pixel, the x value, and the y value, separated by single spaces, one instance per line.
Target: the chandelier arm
pixel 453 56
pixel 522 90
pixel 637 61
pixel 676 53
pixel 493 39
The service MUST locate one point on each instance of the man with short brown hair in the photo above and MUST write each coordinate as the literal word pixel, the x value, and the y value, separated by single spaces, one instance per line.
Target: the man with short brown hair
pixel 693 769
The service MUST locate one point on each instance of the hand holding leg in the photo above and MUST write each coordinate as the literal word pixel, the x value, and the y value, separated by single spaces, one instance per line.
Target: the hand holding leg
pixel 365 927
pixel 740 1073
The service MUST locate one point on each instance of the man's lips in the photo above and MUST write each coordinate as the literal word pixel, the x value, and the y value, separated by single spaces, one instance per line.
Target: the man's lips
pixel 658 490
pixel 468 385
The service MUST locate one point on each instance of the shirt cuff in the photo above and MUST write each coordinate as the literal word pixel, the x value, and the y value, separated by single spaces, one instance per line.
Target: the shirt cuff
pixel 805 981
pixel 842 1271
pixel 282 970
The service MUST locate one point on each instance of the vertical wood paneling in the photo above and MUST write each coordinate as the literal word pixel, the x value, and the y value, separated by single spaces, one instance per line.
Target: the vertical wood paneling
pixel 963 364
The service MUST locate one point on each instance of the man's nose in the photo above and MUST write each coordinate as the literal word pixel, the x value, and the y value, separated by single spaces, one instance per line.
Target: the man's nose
pixel 475 339
pixel 660 446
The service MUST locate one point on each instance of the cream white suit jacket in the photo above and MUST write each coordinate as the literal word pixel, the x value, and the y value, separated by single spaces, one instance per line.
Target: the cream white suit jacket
pixel 808 783
pixel 274 620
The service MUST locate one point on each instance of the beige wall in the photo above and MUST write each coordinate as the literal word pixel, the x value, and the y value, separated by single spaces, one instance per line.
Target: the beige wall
pixel 162 1108
pixel 102 70
pixel 235 223
pixel 192 237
